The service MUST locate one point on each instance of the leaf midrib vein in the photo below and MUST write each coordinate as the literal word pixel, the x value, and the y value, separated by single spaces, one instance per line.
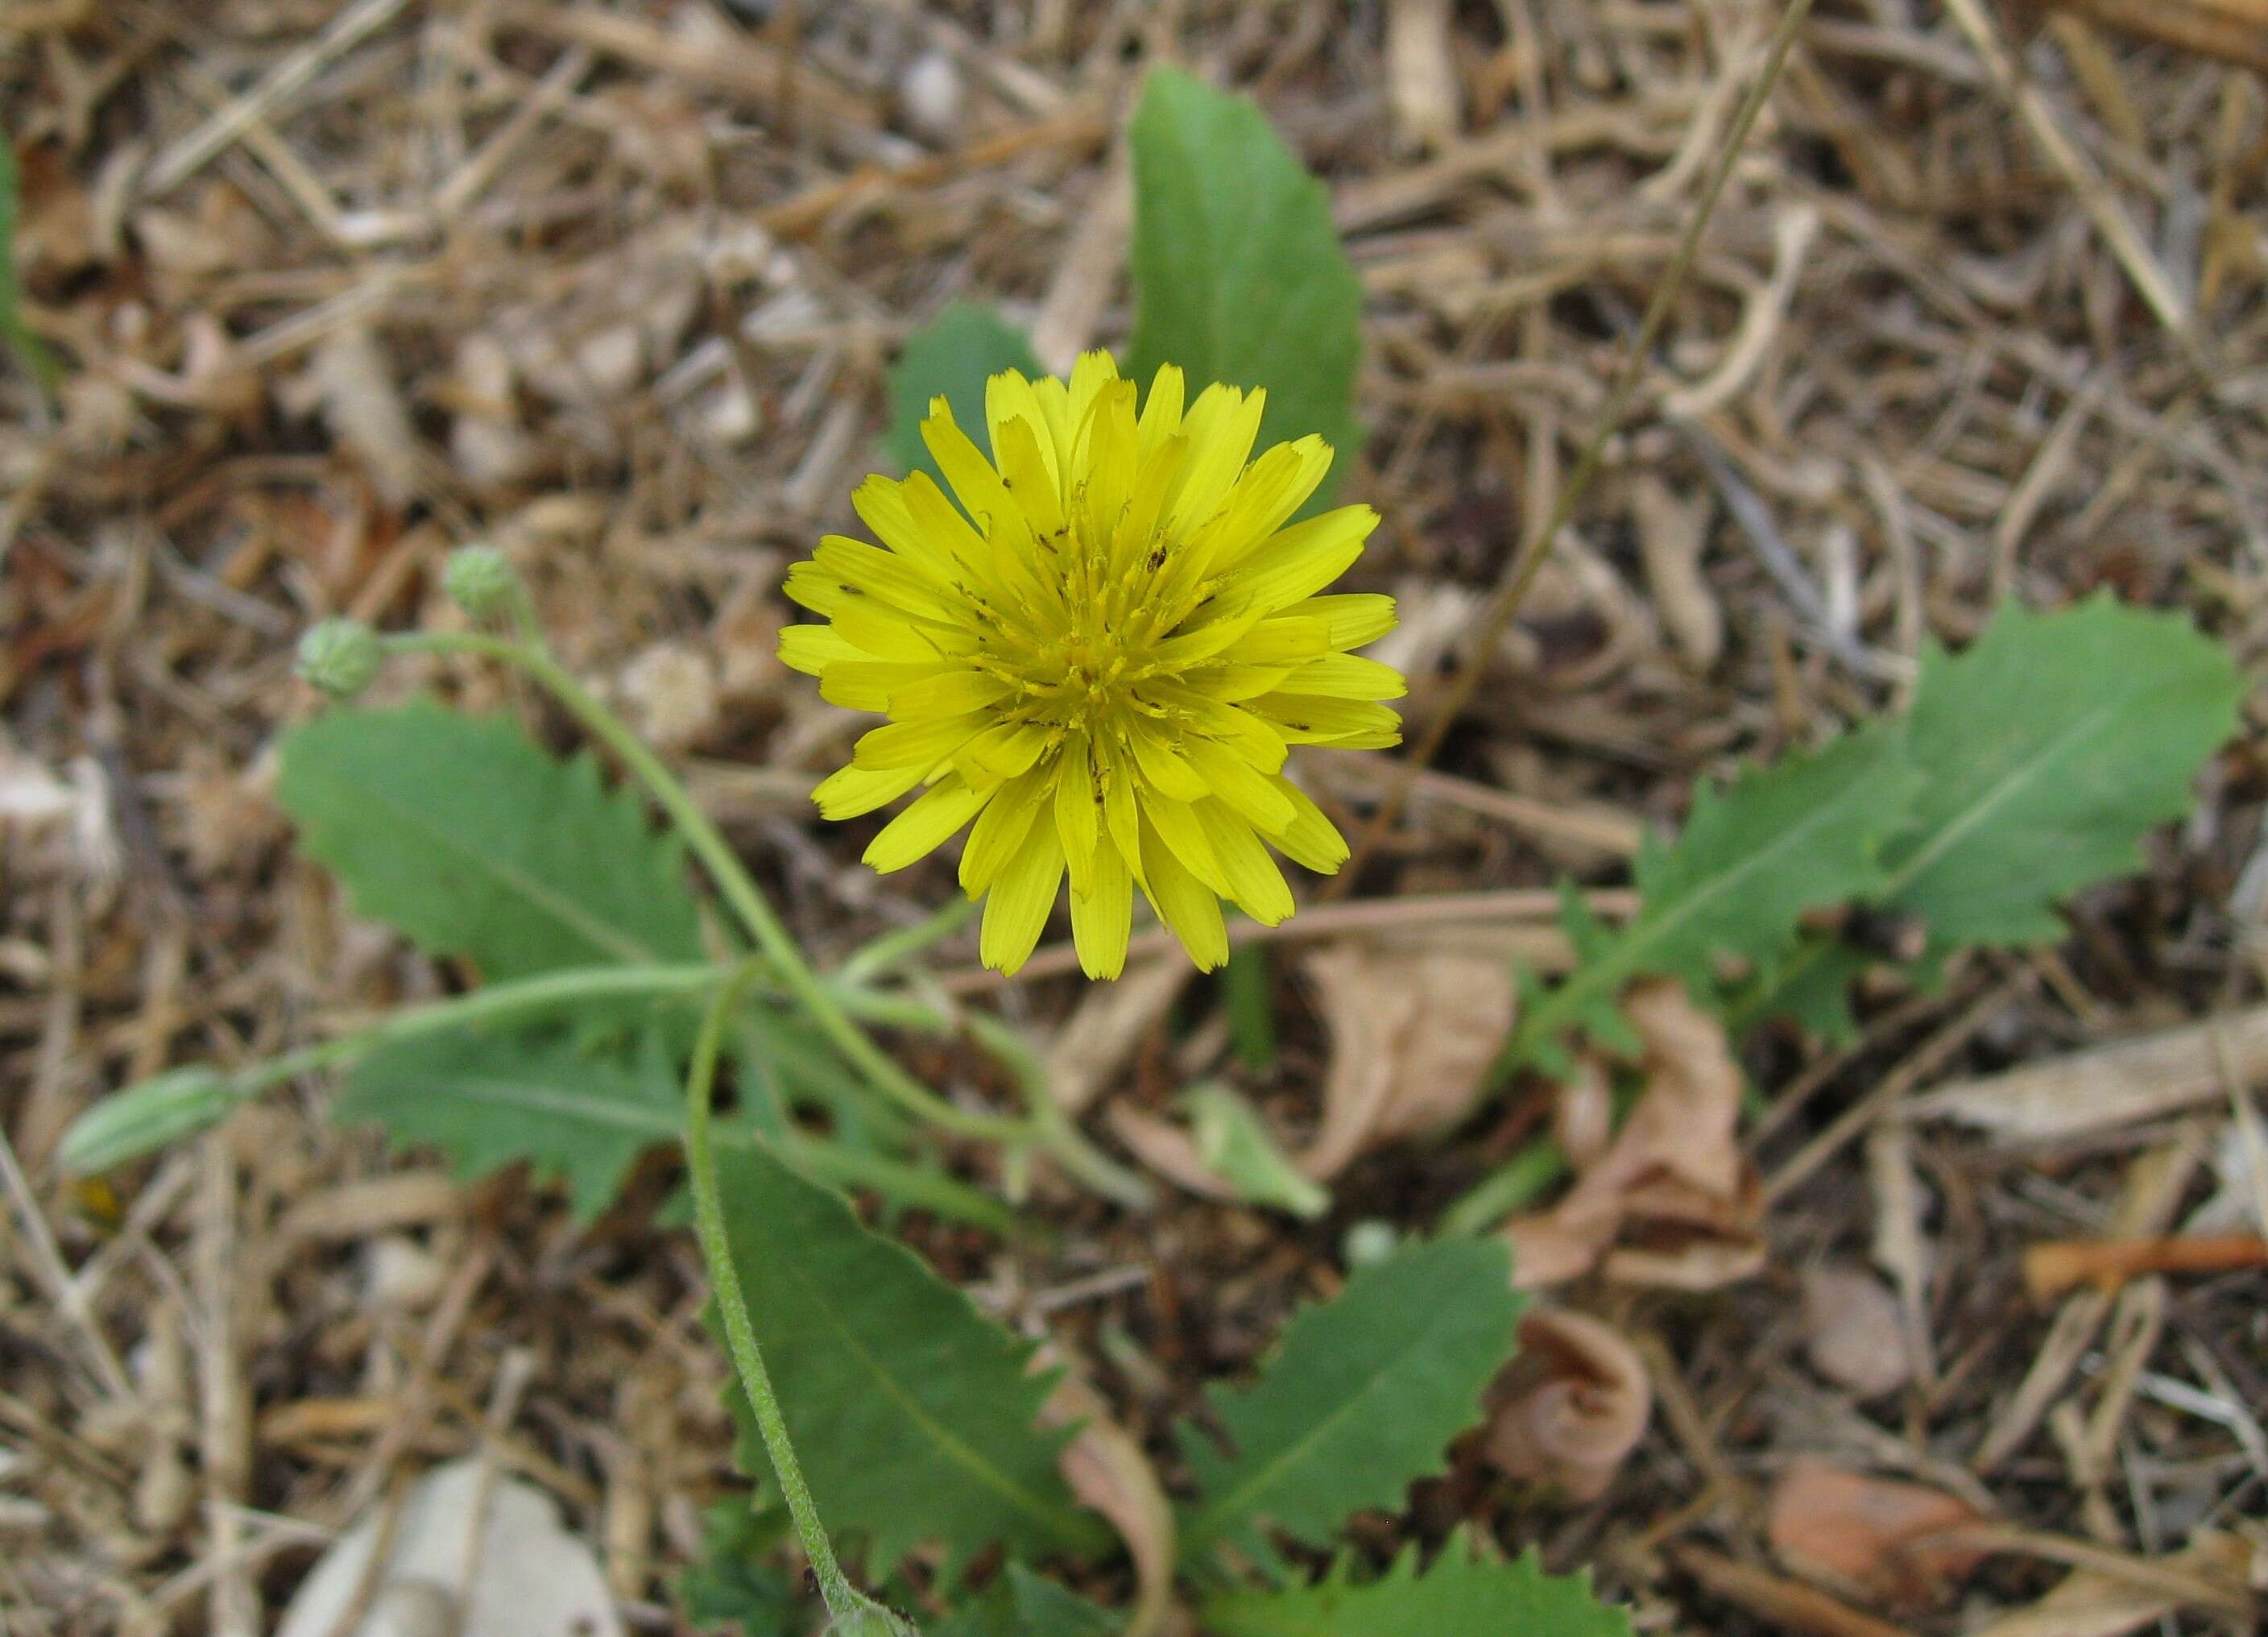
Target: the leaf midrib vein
pixel 597 933
pixel 1205 1524
pixel 984 1471
pixel 1642 938
pixel 1999 795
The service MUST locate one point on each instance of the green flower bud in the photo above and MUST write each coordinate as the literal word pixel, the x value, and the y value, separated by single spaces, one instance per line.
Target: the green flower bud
pixel 480 579
pixel 873 1621
pixel 145 1118
pixel 341 656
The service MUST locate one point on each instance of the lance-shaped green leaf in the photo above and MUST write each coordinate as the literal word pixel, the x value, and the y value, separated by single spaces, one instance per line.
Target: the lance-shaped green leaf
pixel 1239 275
pixel 1461 1594
pixel 14 332
pixel 489 1101
pixel 913 1414
pixel 1359 1401
pixel 2047 750
pixel 1802 834
pixel 464 834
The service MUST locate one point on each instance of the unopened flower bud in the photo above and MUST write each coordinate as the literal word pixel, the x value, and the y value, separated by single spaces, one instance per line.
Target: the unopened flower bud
pixel 871 1622
pixel 480 579
pixel 341 656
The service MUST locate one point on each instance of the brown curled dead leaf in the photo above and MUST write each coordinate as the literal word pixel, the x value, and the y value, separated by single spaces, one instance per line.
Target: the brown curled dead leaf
pixel 1868 1536
pixel 1670 1200
pixel 1107 1471
pixel 1170 1150
pixel 1577 1405
pixel 1413 1033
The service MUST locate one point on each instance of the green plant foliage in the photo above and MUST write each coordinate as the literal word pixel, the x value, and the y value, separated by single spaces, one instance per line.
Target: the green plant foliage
pixel 463 833
pixel 733 1584
pixel 14 332
pixel 913 1414
pixel 952 357
pixel 2046 751
pixel 1019 1603
pixel 1358 1402
pixel 489 1101
pixel 1235 1145
pixel 1239 275
pixel 1461 1594
pixel 1803 833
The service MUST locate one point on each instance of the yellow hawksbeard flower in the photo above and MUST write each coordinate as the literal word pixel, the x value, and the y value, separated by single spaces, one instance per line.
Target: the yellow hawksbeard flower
pixel 1104 668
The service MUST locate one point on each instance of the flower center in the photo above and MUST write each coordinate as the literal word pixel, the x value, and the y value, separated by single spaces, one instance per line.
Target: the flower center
pixel 1080 659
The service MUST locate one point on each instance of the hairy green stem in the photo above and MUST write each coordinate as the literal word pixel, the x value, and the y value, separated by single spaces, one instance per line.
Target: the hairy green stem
pixel 733 879
pixel 178 1104
pixel 845 1602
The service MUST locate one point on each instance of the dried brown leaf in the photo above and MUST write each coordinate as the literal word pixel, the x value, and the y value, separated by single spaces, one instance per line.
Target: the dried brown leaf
pixel 1578 1405
pixel 1110 1023
pixel 1107 1471
pixel 1171 1151
pixel 1670 1201
pixel 1413 1033
pixel 1851 1332
pixel 2090 1604
pixel 1867 1534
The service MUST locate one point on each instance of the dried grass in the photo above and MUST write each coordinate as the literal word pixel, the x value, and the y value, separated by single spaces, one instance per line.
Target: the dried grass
pixel 613 285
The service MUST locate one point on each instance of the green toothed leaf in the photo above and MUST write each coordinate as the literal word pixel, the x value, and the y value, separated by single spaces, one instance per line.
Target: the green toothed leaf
pixel 463 833
pixel 1359 1401
pixel 1780 841
pixel 913 1414
pixel 736 1582
pixel 2047 750
pixel 1461 1594
pixel 490 1101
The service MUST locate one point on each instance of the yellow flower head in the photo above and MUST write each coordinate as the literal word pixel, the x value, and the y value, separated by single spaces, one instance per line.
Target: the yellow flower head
pixel 1100 657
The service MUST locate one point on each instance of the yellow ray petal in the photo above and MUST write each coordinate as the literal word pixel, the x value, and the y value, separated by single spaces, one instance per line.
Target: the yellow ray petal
pixel 1001 827
pixel 919 831
pixel 1078 816
pixel 1311 839
pixel 1186 905
pixel 849 791
pixel 1162 409
pixel 1347 676
pixel 1102 912
pixel 1016 910
pixel 1176 824
pixel 813 648
pixel 1254 882
pixel 921 745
